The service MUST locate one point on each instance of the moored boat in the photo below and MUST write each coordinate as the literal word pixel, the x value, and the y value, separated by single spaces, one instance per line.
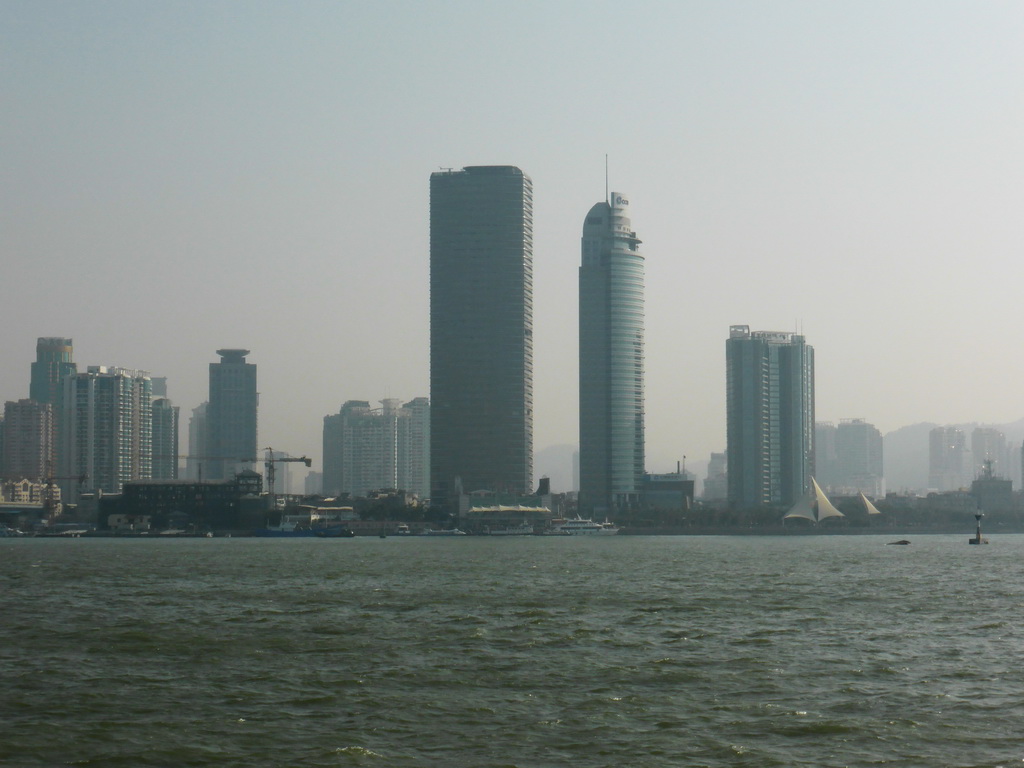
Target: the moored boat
pixel 579 526
pixel 446 532
pixel 524 529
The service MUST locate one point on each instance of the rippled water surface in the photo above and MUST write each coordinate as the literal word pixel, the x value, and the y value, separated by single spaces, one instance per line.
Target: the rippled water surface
pixel 528 652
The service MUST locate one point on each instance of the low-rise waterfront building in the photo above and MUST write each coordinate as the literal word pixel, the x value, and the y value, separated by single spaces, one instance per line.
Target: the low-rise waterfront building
pixel 186 504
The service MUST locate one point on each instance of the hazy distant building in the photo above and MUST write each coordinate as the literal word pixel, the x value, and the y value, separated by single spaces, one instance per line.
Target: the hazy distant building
pixel 27 451
pixel 950 465
pixel 313 484
pixel 859 459
pixel 716 484
pixel 369 449
pixel 481 331
pixel 611 360
pixel 231 415
pixel 159 386
pixel 282 473
pixel 107 430
pixel 165 438
pixel 770 417
pixel 414 448
pixel 990 452
pixel 198 442
pixel 826 462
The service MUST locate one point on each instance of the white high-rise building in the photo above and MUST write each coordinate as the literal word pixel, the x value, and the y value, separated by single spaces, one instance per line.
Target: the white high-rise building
pixel 107 430
pixel 950 466
pixel 989 445
pixel 414 466
pixel 369 449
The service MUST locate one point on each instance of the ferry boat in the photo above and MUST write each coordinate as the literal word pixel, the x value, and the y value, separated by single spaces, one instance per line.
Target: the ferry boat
pixel 525 529
pixel 580 527
pixel 446 532
pixel 324 526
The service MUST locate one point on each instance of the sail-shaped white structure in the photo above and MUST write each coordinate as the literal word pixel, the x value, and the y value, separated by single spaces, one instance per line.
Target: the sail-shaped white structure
pixel 803 508
pixel 870 508
pixel 814 507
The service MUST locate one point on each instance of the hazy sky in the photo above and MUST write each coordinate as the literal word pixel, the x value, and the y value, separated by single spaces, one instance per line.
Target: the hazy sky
pixel 183 176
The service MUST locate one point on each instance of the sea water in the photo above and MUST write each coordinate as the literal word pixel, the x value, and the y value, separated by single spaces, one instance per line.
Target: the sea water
pixel 528 652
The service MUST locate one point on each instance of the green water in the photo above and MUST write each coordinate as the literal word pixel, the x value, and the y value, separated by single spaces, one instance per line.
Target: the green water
pixel 528 652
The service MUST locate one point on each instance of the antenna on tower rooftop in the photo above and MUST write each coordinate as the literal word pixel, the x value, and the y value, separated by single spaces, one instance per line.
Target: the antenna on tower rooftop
pixel 606 197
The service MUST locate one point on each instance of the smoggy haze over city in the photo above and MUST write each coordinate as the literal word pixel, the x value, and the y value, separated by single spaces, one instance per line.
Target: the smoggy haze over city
pixel 181 177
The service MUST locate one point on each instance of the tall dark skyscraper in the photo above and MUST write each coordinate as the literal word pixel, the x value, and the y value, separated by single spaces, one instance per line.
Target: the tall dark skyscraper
pixel 165 439
pixel 770 417
pixel 54 361
pixel 231 415
pixel 481 331
pixel 611 360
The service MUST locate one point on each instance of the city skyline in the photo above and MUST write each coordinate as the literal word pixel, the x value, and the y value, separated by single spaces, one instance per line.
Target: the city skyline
pixel 848 171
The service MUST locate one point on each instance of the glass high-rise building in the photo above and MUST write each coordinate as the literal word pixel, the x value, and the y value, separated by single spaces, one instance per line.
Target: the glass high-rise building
pixel 481 331
pixel 770 417
pixel 611 360
pixel 231 415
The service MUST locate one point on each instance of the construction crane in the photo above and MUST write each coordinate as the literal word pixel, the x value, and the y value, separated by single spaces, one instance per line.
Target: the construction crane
pixel 269 463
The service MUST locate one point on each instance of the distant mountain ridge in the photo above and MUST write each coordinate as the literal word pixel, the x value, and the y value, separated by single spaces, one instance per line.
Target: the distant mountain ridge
pixel 556 463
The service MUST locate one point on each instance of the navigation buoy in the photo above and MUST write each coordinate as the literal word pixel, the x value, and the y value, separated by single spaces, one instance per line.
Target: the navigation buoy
pixel 977 536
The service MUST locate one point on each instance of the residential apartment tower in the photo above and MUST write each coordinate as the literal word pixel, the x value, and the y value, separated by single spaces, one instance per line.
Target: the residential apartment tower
pixel 770 417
